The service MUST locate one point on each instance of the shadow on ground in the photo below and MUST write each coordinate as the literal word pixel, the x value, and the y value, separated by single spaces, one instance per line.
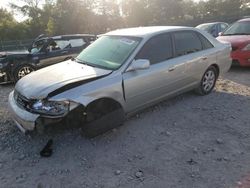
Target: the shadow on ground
pixel 239 75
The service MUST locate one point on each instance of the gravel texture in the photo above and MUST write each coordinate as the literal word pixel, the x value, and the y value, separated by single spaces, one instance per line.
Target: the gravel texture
pixel 185 142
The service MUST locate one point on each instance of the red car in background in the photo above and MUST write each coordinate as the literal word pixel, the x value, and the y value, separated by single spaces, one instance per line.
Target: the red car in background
pixel 238 34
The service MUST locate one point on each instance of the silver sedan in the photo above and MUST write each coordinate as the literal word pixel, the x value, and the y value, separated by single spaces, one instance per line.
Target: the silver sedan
pixel 120 73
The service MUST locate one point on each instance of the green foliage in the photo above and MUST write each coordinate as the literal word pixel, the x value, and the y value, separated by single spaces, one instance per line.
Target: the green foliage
pixel 9 27
pixel 54 17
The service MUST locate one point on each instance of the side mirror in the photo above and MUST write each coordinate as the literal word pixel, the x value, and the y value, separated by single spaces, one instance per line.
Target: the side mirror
pixel 139 64
pixel 220 33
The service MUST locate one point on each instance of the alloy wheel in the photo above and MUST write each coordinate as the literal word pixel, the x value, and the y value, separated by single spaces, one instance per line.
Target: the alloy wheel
pixel 24 71
pixel 208 80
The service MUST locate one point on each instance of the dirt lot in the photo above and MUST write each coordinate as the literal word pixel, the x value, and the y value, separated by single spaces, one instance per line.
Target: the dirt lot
pixel 185 142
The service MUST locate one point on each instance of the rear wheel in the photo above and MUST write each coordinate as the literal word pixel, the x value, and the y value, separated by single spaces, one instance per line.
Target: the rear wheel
pixel 208 81
pixel 22 71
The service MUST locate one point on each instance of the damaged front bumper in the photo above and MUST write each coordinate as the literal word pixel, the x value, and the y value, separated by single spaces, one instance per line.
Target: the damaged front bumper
pixel 27 121
pixel 24 120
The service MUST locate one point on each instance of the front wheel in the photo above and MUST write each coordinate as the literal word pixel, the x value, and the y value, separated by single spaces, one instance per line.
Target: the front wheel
pixel 101 117
pixel 208 81
pixel 22 71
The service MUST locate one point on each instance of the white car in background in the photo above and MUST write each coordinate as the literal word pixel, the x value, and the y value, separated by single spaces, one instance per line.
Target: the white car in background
pixel 120 73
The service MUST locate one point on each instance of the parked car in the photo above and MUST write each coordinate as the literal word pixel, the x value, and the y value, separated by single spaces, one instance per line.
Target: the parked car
pixel 44 51
pixel 213 28
pixel 238 34
pixel 122 72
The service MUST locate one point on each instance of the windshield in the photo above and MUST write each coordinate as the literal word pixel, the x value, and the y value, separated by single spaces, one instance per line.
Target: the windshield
pixel 108 52
pixel 238 28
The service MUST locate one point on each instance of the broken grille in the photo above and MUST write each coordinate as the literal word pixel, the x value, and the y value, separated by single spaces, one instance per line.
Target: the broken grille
pixel 21 100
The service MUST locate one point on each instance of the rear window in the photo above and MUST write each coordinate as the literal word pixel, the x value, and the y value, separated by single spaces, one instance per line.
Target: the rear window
pixel 61 44
pixel 205 42
pixel 77 42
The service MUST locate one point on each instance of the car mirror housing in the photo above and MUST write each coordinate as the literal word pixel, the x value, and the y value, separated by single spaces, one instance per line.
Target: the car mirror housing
pixel 220 33
pixel 139 64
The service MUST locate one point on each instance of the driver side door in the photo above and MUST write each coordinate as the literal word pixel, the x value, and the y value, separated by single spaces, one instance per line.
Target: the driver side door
pixel 143 87
pixel 55 52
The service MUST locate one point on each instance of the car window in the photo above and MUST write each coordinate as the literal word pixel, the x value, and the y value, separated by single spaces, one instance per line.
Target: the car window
pixel 77 42
pixel 238 28
pixel 92 39
pixel 157 49
pixel 205 27
pixel 205 42
pixel 61 44
pixel 37 46
pixel 55 45
pixel 213 31
pixel 186 42
pixel 223 27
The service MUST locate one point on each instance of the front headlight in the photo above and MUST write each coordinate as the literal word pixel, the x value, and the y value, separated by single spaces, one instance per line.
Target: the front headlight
pixel 53 108
pixel 246 48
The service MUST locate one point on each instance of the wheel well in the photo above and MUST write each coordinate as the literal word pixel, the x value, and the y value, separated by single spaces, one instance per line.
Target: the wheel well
pixel 24 64
pixel 14 71
pixel 101 107
pixel 106 103
pixel 217 69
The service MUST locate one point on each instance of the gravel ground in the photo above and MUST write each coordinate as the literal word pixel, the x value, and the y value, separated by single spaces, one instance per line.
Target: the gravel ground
pixel 185 142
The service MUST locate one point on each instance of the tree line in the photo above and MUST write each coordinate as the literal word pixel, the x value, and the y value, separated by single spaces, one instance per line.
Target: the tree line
pixel 56 17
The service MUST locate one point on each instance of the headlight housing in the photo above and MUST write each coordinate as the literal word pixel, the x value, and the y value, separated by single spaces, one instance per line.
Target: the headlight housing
pixel 52 108
pixel 246 48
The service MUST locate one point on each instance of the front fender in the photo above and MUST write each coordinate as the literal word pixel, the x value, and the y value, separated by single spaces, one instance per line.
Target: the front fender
pixel 103 88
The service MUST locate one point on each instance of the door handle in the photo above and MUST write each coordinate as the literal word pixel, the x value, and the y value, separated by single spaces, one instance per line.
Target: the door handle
pixel 204 58
pixel 171 68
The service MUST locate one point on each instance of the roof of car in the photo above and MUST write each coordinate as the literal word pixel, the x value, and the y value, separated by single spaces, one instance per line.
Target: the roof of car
pixel 72 36
pixel 213 23
pixel 145 31
pixel 244 20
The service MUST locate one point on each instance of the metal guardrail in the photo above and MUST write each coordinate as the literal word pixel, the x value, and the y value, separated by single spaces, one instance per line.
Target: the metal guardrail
pixel 15 45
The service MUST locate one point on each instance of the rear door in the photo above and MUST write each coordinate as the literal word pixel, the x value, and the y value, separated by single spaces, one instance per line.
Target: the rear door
pixel 196 51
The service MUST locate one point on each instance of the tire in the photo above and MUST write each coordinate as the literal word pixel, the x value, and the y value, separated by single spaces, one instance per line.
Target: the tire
pixel 22 71
pixel 40 129
pixel 102 118
pixel 208 81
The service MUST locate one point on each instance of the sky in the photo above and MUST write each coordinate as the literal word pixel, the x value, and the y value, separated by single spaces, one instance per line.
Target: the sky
pixel 4 4
pixel 18 16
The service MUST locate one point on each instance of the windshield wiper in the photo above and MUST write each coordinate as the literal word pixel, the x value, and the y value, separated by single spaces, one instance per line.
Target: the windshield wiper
pixel 79 61
pixel 89 64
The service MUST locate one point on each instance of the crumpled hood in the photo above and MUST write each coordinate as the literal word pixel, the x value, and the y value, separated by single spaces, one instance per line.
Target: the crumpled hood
pixel 235 40
pixel 39 84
